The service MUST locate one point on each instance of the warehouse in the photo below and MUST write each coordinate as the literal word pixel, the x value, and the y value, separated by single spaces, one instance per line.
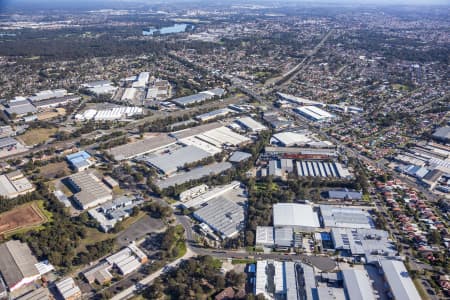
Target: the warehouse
pixel 116 113
pixel 193 192
pixel 357 285
pixel 100 87
pixel 129 94
pixel 344 194
pixel 141 147
pixel 400 283
pixel 20 107
pixel 128 259
pixel 359 243
pixel 239 156
pixel 68 289
pixel 222 137
pixel 169 163
pixel 442 134
pixel 199 98
pixel 314 113
pixel 80 161
pixel 48 94
pixel 297 216
pixel 300 153
pixel 194 174
pixel 56 102
pixel 223 216
pixel 250 124
pixel 218 113
pixel 89 191
pixel 17 265
pixel 321 169
pixel 290 139
pixel 345 217
pixel 299 100
pixel 264 236
pixel 8 143
pixel 206 196
pixel 15 184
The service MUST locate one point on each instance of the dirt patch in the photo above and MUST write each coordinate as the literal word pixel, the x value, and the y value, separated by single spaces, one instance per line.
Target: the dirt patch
pixel 25 216
pixel 55 170
pixel 37 135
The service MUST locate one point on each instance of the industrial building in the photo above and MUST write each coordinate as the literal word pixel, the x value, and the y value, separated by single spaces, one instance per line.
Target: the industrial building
pixel 370 244
pixel 279 168
pixel 316 168
pixel 68 289
pixel 80 161
pixel 212 115
pixel 344 194
pixel 265 236
pixel 285 280
pixel 345 217
pixel 89 191
pixel 48 94
pixel 116 113
pixel 199 98
pixel 290 139
pixel 41 293
pixel 397 278
pixel 100 87
pixel 442 134
pixel 15 184
pixel 224 216
pixel 17 265
pixel 19 107
pixel 239 156
pixel 127 260
pixel 100 273
pixel 200 198
pixel 141 147
pixel 299 100
pixel 300 217
pixel 250 124
pixel 314 113
pixel 110 213
pixel 222 137
pixel 169 163
pixel 194 174
pixel 193 192
pixel 8 144
pixel 56 102
pixel 357 285
pixel 299 153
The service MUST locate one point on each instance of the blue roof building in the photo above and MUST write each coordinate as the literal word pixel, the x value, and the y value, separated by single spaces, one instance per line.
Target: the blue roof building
pixel 80 161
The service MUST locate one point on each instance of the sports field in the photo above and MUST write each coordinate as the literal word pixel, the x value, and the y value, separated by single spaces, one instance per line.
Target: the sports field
pixel 24 217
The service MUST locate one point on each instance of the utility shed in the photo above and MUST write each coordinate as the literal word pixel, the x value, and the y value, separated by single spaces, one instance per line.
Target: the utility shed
pixel 400 283
pixel 357 285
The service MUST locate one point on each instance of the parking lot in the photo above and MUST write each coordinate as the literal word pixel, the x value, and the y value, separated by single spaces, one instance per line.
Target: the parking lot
pixel 139 230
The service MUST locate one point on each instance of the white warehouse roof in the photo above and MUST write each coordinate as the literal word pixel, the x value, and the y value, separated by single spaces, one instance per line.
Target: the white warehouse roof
pixel 401 285
pixel 357 285
pixel 295 215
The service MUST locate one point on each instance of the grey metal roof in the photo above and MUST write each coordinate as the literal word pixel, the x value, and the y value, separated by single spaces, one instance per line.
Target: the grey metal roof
pixel 357 285
pixel 170 162
pixel 239 156
pixel 141 147
pixel 347 217
pixel 345 194
pixel 400 283
pixel 191 99
pixel 442 133
pixel 223 215
pixel 7 141
pixel 284 236
pixel 194 174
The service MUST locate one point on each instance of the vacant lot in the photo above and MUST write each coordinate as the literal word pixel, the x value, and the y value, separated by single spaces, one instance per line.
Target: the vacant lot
pixel 55 170
pixel 24 217
pixel 37 135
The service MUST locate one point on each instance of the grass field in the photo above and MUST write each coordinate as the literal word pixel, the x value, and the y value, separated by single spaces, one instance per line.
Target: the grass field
pixel 23 218
pixel 36 136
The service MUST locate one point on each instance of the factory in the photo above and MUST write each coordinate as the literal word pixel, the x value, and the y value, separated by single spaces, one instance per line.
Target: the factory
pixel 314 113
pixel 370 244
pixel 279 238
pixel 224 216
pixel 397 278
pixel 141 147
pixel 344 194
pixel 249 124
pixel 68 289
pixel 277 121
pixel 299 153
pixel 345 217
pixel 194 174
pixel 80 161
pixel 17 265
pixel 300 217
pixel 291 139
pixel 442 134
pixel 88 190
pixel 285 280
pixel 14 184
pixel 112 114
pixel 110 213
pixel 219 137
pixel 239 156
pixel 199 98
pixel 321 169
pixel 171 162
pixel 299 100
pixel 100 87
